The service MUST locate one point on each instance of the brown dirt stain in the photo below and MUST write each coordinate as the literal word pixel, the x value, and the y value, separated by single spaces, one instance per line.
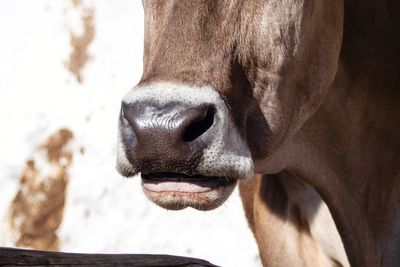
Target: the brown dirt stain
pixel 76 3
pixel 37 209
pixel 79 55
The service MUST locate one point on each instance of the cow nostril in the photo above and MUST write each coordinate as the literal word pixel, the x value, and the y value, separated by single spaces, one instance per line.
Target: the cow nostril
pixel 199 127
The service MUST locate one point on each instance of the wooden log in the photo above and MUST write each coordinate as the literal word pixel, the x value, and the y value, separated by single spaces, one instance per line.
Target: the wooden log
pixel 22 257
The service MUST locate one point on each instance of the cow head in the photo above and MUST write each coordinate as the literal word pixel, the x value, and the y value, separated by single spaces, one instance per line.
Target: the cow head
pixel 224 85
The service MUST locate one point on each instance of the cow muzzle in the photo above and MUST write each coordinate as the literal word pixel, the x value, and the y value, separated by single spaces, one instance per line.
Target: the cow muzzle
pixel 184 143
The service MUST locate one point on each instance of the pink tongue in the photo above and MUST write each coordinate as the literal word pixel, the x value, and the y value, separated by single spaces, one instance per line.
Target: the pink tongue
pixel 178 186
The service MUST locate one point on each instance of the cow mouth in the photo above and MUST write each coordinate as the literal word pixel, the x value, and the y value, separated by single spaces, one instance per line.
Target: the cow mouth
pixel 178 190
pixel 179 182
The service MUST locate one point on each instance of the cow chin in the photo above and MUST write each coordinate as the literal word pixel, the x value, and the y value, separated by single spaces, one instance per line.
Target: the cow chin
pixel 178 195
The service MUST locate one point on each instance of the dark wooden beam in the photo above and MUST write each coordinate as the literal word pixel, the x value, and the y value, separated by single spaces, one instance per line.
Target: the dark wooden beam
pixel 22 257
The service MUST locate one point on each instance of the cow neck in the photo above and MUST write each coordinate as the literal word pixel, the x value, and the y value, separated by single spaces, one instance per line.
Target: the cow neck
pixel 349 151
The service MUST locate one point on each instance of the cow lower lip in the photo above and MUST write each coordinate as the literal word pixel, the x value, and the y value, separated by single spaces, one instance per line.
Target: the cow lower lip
pixel 182 183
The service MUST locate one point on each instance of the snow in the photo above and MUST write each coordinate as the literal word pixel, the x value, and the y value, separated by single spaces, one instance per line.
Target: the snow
pixel 104 212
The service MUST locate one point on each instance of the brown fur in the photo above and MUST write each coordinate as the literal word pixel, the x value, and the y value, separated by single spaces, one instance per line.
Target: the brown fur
pixel 313 87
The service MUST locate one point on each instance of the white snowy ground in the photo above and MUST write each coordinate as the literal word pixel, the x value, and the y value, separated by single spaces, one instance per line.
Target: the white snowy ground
pixel 104 212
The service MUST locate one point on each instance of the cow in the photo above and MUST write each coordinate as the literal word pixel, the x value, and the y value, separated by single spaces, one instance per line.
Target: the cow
pixel 297 101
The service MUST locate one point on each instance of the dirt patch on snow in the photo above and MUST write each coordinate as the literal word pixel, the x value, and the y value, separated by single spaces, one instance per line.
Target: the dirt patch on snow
pixel 37 209
pixel 80 43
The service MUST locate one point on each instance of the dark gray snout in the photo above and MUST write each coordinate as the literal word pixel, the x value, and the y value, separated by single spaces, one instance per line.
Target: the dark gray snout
pixel 166 137
pixel 174 128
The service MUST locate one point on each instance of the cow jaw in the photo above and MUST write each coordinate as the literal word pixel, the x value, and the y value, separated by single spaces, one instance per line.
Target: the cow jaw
pixel 178 191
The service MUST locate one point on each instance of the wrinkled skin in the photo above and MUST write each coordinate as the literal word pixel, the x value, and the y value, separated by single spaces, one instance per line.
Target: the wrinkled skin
pixel 312 89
